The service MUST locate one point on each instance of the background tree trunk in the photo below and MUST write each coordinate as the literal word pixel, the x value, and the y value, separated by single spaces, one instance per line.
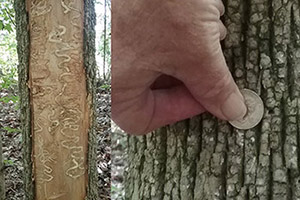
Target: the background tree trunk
pixel 104 40
pixel 70 172
pixel 2 166
pixel 205 158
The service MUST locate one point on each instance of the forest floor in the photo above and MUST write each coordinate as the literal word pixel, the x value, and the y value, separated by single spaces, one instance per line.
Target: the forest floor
pixel 12 145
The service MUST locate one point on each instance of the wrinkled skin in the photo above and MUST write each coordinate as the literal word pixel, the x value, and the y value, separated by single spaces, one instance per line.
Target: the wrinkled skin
pixel 168 65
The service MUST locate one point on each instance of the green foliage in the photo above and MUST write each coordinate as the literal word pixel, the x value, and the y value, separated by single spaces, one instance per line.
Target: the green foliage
pixel 8 60
pixel 8 52
pixel 7 99
pixel 11 130
pixel 114 188
pixel 8 162
pixel 8 77
pixel 105 87
pixel 7 16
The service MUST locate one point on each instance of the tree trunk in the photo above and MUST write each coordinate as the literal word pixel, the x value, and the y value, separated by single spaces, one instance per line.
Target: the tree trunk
pixel 56 80
pixel 104 40
pixel 2 179
pixel 205 158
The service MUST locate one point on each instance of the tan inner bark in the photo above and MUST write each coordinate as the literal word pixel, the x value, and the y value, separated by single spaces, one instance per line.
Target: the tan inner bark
pixel 60 111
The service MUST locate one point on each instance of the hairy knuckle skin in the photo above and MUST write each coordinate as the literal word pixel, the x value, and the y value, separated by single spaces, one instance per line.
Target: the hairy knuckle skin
pixel 220 86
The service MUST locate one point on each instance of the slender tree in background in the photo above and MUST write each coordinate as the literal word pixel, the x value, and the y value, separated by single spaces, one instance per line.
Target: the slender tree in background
pixel 56 81
pixel 205 158
pixel 104 40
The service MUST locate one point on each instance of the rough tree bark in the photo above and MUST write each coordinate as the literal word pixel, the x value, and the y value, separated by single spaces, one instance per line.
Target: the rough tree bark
pixel 56 80
pixel 2 169
pixel 205 158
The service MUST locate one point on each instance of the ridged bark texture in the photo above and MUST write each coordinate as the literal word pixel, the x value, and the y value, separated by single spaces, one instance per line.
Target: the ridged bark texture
pixel 206 159
pixel 23 74
pixel 89 49
pixel 2 169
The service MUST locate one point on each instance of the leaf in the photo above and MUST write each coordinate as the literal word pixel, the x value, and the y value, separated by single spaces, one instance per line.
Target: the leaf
pixel 105 86
pixel 7 99
pixel 12 130
pixel 8 162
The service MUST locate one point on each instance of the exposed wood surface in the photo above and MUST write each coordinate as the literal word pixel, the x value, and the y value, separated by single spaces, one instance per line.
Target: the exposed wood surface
pixel 59 100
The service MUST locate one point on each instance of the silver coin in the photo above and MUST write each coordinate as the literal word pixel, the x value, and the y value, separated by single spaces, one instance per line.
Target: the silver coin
pixel 255 111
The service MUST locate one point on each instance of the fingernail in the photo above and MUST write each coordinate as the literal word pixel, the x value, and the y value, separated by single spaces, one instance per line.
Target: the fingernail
pixel 234 107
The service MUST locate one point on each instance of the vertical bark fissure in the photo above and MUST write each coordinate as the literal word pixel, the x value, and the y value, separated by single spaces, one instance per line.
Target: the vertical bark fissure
pixel 247 197
pixel 283 131
pixel 280 34
pixel 289 185
pixel 264 174
pixel 258 147
pixel 204 181
pixel 224 169
pixel 198 133
pixel 294 62
pixel 271 32
pixel 130 173
pixel 291 76
pixel 194 141
pixel 220 157
pixel 297 180
pixel 258 134
pixel 270 181
pixel 216 134
pixel 298 134
pixel 141 166
pixel 185 164
pixel 163 172
pixel 180 169
pixel 243 161
pixel 244 29
pixel 153 167
pixel 176 135
pixel 291 110
pixel 136 150
pixel 200 138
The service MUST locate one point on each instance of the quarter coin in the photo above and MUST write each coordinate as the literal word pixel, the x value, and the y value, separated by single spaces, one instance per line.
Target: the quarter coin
pixel 255 111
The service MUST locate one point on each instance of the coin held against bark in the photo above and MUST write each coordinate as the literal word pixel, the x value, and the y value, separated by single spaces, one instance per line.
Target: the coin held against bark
pixel 255 111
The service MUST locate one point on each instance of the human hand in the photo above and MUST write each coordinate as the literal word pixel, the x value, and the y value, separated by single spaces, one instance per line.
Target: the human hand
pixel 168 65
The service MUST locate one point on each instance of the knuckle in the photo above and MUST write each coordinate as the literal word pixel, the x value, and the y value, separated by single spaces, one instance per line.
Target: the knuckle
pixel 213 49
pixel 223 31
pixel 220 86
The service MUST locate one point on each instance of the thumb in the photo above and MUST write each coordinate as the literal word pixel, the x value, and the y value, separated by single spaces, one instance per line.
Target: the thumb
pixel 216 90
pixel 172 105
pixel 155 108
